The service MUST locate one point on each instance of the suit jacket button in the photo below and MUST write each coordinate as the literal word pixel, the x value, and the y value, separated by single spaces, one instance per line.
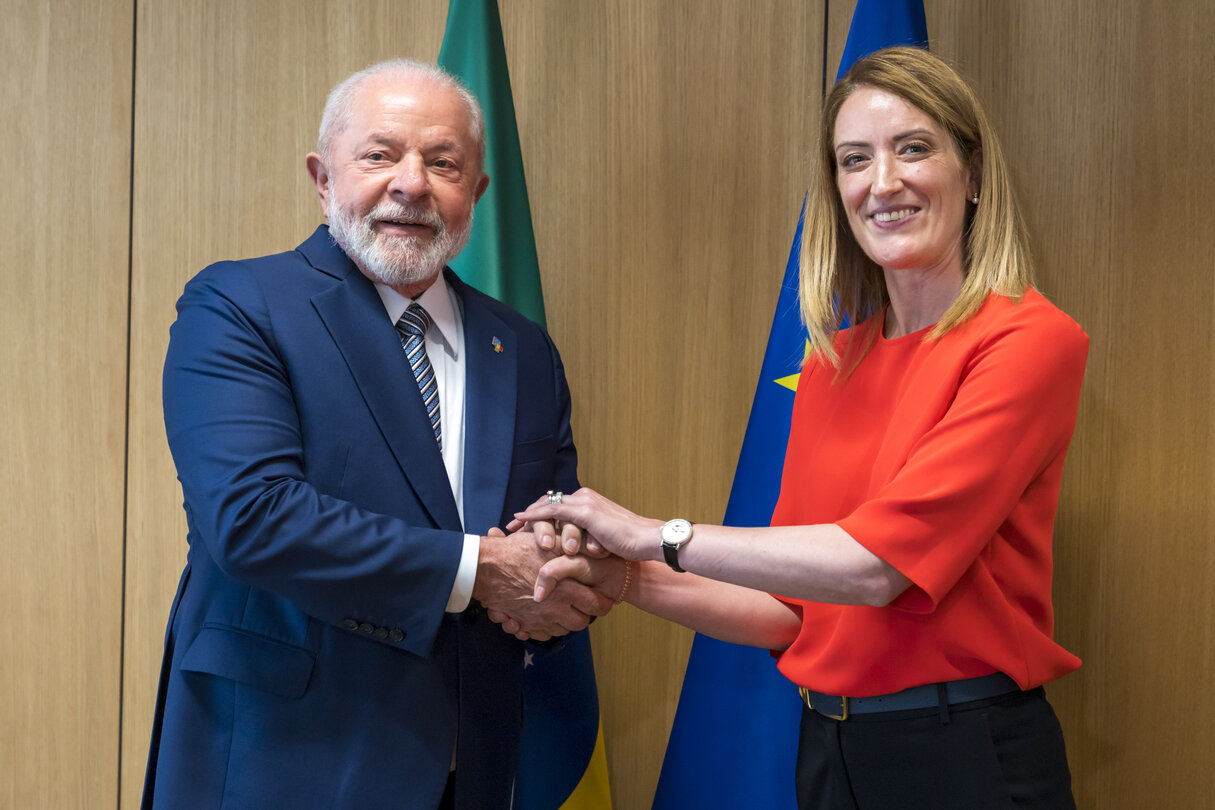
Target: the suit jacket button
pixel 350 624
pixel 366 628
pixel 396 636
pixel 473 611
pixel 380 633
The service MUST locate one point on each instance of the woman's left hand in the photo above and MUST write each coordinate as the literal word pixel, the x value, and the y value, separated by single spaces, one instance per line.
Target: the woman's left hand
pixel 554 533
pixel 606 523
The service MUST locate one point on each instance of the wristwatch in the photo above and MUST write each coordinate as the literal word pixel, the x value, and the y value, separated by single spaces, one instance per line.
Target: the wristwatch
pixel 673 534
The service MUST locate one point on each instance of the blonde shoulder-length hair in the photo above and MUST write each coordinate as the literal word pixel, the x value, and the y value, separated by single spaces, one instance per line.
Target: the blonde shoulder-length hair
pixel 837 278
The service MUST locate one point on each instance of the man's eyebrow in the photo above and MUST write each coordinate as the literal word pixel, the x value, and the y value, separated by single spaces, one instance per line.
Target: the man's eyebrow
pixel 380 137
pixel 445 146
pixel 391 138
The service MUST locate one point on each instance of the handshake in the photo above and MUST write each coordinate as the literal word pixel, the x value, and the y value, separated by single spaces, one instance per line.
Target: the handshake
pixel 567 560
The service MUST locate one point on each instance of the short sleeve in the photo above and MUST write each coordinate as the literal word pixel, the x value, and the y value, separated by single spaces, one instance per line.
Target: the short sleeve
pixel 975 473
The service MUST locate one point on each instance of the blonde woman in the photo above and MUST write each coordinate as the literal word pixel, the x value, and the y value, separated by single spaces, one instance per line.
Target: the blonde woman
pixel 905 580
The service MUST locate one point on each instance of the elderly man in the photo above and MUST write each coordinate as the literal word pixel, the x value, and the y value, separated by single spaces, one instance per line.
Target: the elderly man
pixel 349 423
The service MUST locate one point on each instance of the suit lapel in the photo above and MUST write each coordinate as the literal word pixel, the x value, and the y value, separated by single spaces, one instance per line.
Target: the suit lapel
pixel 489 409
pixel 354 316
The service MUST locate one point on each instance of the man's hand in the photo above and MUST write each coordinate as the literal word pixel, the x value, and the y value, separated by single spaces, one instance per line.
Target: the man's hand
pixel 606 576
pixel 507 568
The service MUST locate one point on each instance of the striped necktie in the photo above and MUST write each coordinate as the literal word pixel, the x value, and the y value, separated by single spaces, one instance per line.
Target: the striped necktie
pixel 412 330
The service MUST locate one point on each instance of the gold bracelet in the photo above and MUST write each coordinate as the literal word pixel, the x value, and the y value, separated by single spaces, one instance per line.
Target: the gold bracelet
pixel 628 579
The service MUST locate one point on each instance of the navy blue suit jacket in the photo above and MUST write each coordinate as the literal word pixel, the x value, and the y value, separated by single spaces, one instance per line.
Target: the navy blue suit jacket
pixel 309 662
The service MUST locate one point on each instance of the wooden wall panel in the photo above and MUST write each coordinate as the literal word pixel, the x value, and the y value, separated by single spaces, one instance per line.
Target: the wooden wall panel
pixel 65 121
pixel 228 100
pixel 1107 121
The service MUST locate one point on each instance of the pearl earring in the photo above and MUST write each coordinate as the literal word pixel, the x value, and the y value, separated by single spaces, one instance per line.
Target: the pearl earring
pixel 975 199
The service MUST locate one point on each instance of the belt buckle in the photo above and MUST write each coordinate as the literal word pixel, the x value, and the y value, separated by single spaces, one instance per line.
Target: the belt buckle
pixel 843 715
pixel 843 708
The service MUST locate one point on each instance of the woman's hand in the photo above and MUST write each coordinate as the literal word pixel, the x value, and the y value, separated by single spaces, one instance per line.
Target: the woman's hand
pixel 573 539
pixel 608 525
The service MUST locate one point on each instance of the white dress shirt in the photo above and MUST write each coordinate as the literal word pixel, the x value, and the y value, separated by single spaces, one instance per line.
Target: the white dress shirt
pixel 445 349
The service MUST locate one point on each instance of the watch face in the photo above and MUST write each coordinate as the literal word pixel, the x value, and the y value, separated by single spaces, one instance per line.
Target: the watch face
pixel 676 532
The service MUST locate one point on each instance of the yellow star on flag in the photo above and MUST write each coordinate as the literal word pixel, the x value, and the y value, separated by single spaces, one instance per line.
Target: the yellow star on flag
pixel 790 382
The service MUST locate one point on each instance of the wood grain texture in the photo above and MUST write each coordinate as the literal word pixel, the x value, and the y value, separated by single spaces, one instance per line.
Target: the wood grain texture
pixel 65 128
pixel 1107 122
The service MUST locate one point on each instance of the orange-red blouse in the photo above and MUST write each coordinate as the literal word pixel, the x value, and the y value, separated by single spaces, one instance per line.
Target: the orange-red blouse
pixel 944 458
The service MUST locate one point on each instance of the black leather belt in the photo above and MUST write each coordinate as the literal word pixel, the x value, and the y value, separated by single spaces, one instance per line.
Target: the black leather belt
pixel 917 697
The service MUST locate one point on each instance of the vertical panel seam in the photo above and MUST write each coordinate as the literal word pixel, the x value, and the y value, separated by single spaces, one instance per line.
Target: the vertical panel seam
pixel 126 444
pixel 826 33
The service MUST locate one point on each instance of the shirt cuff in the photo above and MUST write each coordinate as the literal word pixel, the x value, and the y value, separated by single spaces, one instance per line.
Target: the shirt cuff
pixel 466 575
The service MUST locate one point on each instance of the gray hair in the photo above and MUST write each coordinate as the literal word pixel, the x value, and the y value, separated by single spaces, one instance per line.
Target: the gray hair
pixel 341 99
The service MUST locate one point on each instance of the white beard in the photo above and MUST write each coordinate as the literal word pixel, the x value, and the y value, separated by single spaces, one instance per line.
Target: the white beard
pixel 396 260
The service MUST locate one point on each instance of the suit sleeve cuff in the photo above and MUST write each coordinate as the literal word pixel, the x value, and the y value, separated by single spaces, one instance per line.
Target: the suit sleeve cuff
pixel 466 574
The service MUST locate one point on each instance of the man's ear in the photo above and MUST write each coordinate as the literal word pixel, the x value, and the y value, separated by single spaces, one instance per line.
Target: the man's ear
pixel 320 177
pixel 482 184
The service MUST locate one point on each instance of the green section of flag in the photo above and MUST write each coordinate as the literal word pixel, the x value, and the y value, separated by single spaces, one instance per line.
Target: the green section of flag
pixel 500 259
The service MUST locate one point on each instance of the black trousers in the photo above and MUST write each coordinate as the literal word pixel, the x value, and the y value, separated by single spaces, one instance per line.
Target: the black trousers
pixel 1005 752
